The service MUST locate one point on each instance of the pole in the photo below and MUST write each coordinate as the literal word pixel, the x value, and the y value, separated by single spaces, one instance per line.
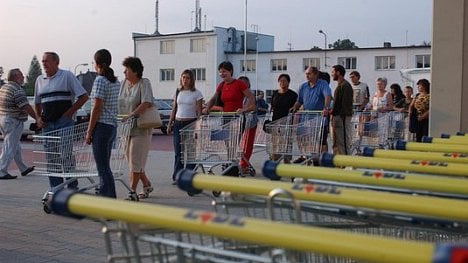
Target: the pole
pixel 245 38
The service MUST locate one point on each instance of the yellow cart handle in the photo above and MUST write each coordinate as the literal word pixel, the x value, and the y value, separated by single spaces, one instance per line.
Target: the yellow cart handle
pixel 417 182
pixel 296 237
pixel 423 206
pixel 414 155
pixel 431 147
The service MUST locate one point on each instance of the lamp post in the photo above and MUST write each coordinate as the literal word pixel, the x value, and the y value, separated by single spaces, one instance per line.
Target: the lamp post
pixel 255 29
pixel 82 64
pixel 325 50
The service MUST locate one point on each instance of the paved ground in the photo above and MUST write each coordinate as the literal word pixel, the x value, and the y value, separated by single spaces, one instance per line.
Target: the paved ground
pixel 27 234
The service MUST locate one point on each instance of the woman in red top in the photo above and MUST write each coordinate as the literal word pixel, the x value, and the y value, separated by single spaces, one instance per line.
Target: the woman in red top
pixel 233 92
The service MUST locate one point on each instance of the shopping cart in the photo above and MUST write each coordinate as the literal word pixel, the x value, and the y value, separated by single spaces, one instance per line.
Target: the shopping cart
pixel 298 134
pixel 357 210
pixel 215 141
pixel 63 153
pixel 155 233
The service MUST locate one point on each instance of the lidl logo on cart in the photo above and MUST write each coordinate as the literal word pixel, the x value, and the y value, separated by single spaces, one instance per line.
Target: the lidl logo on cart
pixel 208 217
pixel 379 174
pixel 317 188
pixel 455 155
pixel 429 163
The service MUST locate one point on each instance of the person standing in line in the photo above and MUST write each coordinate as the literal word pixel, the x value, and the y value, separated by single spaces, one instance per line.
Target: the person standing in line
pixel 232 93
pixel 186 109
pixel 248 134
pixel 342 111
pixel 360 91
pixel 136 97
pixel 57 96
pixel 282 100
pixel 14 111
pixel 102 127
pixel 315 95
pixel 397 94
pixel 382 100
pixel 260 103
pixel 421 104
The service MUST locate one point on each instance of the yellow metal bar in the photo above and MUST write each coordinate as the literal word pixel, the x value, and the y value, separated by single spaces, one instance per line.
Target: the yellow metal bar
pixel 451 209
pixel 451 140
pixel 303 238
pixel 419 166
pixel 415 155
pixel 434 147
pixel 437 184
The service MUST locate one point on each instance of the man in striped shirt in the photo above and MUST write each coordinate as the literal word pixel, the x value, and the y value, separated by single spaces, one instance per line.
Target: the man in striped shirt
pixel 57 96
pixel 14 110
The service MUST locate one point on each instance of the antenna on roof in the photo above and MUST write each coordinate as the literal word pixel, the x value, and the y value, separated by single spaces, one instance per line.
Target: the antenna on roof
pixel 156 16
pixel 197 16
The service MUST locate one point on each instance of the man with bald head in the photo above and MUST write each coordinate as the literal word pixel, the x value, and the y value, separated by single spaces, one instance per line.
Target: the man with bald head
pixel 58 95
pixel 14 110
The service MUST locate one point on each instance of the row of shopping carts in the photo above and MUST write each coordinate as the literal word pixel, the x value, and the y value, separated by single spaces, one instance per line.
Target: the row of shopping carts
pixel 403 210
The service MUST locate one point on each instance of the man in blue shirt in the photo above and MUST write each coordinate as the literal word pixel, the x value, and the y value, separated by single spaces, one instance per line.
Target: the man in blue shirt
pixel 315 95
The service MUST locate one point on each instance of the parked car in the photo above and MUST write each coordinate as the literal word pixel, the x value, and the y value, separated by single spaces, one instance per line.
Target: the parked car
pixel 165 109
pixel 83 113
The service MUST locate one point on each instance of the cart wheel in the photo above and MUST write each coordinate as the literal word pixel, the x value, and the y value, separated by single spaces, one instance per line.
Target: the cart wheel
pixel 216 193
pixel 46 208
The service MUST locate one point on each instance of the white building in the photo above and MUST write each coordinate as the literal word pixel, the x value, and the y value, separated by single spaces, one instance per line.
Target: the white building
pixel 166 56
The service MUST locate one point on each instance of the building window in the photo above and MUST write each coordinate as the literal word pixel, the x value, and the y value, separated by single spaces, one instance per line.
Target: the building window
pixel 311 62
pixel 166 74
pixel 384 62
pixel 167 47
pixel 200 73
pixel 251 65
pixel 423 61
pixel 348 62
pixel 198 45
pixel 279 65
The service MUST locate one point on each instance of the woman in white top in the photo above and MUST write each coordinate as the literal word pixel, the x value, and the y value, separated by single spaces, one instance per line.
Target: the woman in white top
pixel 187 107
pixel 382 100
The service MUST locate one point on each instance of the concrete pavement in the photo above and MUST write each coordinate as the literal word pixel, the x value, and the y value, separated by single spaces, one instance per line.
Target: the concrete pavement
pixel 27 234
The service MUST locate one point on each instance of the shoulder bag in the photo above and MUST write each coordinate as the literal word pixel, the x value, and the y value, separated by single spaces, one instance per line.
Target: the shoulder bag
pixel 150 118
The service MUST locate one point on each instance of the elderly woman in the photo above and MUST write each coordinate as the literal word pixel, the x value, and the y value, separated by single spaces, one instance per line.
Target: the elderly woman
pixel 136 96
pixel 382 100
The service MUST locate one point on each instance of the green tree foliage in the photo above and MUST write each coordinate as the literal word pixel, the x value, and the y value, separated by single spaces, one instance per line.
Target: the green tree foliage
pixel 34 72
pixel 343 44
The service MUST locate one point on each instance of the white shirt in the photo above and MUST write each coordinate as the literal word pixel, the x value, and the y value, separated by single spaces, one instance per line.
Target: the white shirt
pixel 187 104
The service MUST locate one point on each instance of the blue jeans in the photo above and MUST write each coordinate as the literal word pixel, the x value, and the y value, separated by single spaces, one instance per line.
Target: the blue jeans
pixel 11 129
pixel 178 125
pixel 66 150
pixel 102 140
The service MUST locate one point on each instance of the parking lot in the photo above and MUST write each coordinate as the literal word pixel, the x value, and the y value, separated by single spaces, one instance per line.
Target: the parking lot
pixel 30 235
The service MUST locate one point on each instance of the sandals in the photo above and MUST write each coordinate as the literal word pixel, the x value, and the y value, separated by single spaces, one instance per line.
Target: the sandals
pixel 146 192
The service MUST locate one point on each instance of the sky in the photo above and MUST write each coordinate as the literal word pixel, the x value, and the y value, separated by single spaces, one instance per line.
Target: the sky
pixel 76 29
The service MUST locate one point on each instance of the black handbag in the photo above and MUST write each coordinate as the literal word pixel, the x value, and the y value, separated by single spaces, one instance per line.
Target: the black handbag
pixel 218 102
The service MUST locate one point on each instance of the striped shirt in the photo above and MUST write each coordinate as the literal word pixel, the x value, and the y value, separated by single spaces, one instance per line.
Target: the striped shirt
pixel 108 92
pixel 12 99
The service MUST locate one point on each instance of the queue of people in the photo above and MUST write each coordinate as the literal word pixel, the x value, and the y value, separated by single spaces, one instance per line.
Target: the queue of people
pixel 58 95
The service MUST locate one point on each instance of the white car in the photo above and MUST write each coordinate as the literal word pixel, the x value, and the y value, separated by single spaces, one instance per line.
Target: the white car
pixel 30 121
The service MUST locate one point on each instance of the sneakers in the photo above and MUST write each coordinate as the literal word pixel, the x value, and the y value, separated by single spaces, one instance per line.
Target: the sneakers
pixel 132 196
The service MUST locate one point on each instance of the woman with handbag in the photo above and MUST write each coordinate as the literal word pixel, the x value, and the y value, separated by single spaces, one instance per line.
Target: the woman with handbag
pixel 186 108
pixel 102 127
pixel 135 99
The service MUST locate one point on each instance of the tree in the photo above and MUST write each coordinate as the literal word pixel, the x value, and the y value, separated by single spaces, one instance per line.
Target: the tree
pixel 34 72
pixel 343 44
